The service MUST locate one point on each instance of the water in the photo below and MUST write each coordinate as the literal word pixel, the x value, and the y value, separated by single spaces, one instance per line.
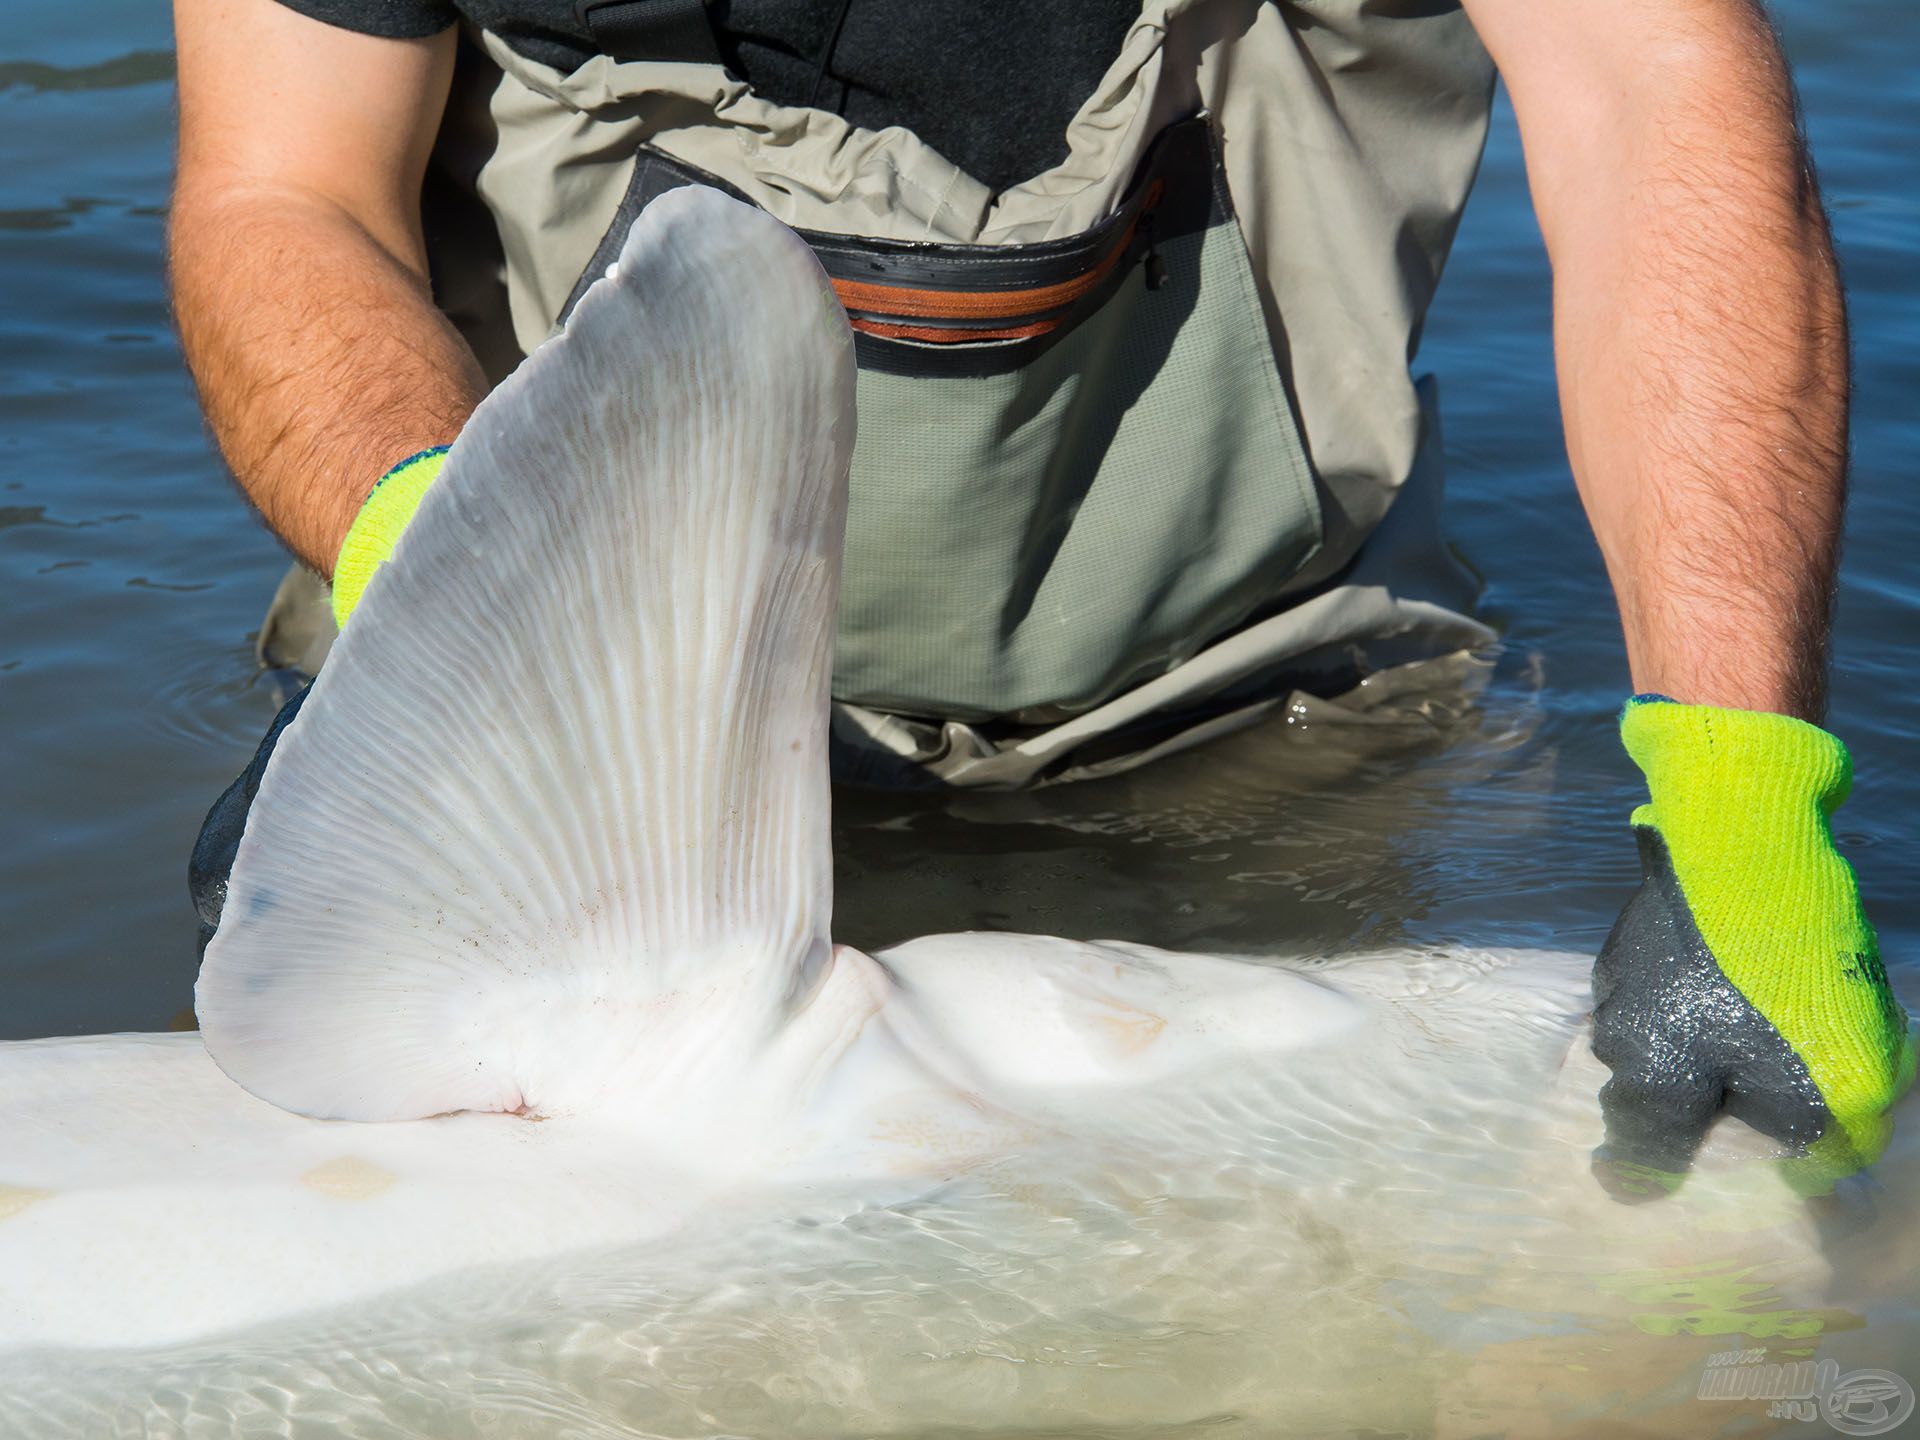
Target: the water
pixel 131 578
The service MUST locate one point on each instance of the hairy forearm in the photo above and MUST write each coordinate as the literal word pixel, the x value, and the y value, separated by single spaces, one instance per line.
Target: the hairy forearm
pixel 1702 351
pixel 320 358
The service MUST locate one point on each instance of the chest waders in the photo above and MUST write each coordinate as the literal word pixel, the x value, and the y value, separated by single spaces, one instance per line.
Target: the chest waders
pixel 1124 427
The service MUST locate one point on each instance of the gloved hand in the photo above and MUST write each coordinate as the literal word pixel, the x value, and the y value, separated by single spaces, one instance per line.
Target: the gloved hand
pixel 370 540
pixel 1743 973
pixel 219 841
pixel 376 529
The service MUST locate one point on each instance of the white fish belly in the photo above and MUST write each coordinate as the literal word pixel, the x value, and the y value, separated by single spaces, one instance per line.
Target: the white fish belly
pixel 1082 1192
pixel 146 1199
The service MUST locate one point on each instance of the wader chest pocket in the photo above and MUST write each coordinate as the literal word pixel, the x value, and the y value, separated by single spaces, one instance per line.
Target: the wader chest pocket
pixel 1077 463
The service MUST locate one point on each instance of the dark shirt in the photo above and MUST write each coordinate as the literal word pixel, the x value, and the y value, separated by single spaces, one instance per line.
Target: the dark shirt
pixel 990 84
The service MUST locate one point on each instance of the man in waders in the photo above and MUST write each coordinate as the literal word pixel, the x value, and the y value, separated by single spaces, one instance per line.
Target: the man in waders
pixel 1135 288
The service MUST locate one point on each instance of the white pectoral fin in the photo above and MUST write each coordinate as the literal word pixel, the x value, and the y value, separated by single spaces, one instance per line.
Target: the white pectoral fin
pixel 566 768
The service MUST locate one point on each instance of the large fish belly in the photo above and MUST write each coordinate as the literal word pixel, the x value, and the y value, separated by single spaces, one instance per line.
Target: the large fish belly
pixel 1111 1163
pixel 145 1199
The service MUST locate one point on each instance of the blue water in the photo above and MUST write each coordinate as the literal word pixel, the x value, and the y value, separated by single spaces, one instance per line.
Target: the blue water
pixel 132 577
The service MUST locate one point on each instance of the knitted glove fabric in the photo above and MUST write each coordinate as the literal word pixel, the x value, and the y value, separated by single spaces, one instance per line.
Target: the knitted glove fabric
pixel 1743 974
pixel 376 529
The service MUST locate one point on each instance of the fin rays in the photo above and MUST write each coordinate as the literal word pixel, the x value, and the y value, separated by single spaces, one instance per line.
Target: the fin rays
pixel 569 758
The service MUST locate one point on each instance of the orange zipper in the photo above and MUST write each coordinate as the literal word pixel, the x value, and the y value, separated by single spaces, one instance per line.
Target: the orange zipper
pixel 882 310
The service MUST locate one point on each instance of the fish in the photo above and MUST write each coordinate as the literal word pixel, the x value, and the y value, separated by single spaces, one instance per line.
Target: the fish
pixel 532 1092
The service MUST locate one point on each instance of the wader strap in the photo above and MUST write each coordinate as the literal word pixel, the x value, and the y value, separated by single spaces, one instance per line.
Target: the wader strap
pixel 664 30
pixel 989 308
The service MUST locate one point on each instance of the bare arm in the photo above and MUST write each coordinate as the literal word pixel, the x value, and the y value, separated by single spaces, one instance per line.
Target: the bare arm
pixel 1700 332
pixel 298 270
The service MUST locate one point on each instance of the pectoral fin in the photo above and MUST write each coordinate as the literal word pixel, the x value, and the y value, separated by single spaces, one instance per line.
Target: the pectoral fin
pixel 565 772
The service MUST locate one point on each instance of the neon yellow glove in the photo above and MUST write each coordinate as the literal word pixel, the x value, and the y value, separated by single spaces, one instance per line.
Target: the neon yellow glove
pixel 376 529
pixel 1743 973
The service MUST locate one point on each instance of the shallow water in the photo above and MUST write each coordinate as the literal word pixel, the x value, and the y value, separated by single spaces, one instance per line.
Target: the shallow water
pixel 131 578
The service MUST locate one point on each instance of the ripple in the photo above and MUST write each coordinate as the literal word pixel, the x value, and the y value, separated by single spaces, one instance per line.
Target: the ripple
pixel 43 218
pixel 211 701
pixel 14 515
pixel 141 582
pixel 138 67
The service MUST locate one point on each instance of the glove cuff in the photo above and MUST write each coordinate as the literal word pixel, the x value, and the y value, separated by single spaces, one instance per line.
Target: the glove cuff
pixel 376 529
pixel 1743 799
pixel 1732 769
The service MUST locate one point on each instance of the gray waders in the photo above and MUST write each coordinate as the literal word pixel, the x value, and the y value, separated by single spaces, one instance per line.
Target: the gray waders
pixel 1140 458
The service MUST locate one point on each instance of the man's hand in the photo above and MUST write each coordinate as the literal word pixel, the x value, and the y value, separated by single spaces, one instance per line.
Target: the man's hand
pixel 298 269
pixel 1701 343
pixel 1743 974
